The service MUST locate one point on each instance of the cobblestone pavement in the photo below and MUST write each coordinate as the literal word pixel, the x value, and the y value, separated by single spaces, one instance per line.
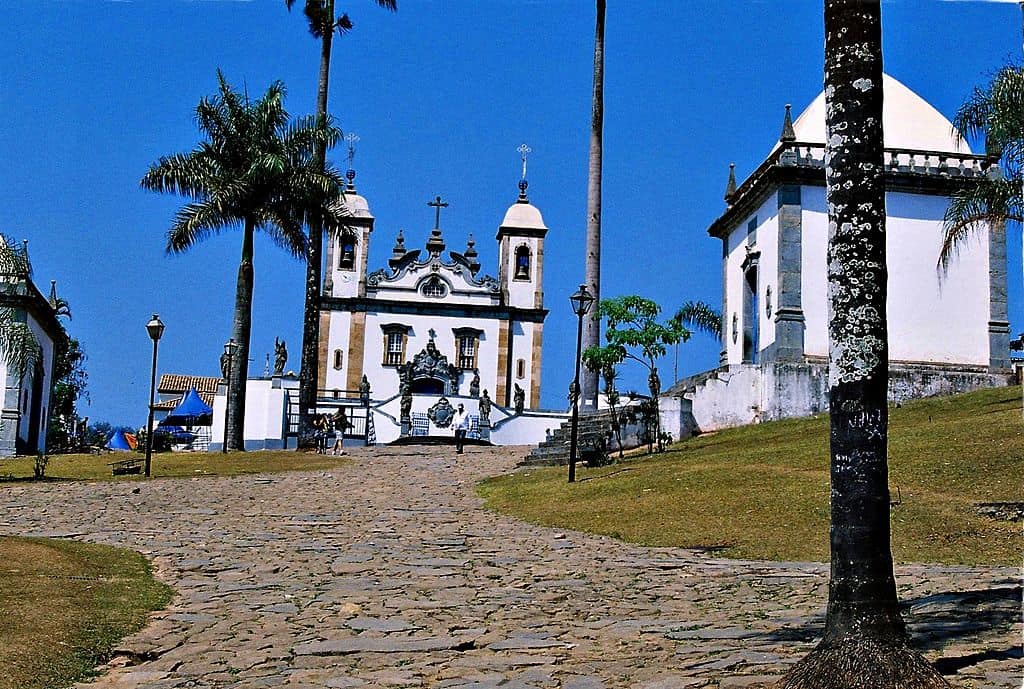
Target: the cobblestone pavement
pixel 387 572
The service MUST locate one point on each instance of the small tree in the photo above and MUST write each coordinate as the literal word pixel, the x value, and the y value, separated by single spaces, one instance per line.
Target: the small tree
pixel 634 332
pixel 604 360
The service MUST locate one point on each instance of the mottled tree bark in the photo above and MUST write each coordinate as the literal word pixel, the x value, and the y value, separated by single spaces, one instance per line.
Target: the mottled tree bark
pixel 241 330
pixel 592 323
pixel 865 642
pixel 310 363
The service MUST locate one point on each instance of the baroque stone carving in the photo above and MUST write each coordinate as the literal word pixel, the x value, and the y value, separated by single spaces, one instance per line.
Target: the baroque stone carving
pixel 441 413
pixel 280 356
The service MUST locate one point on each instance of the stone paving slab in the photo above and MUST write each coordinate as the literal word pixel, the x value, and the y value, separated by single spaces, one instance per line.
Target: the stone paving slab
pixel 387 572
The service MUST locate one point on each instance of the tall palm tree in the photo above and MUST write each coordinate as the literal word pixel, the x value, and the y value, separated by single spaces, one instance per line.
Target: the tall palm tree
pixel 256 169
pixel 994 112
pixel 322 25
pixel 19 348
pixel 865 643
pixel 592 324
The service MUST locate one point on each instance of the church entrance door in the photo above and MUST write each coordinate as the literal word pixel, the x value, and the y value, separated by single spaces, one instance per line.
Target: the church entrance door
pixel 427 386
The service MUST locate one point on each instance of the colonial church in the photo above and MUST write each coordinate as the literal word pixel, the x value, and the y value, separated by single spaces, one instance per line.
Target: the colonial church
pixel 948 329
pixel 432 319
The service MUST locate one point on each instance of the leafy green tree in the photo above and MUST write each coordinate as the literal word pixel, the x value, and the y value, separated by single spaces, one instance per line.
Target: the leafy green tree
pixel 995 113
pixel 259 170
pixel 70 382
pixel 865 642
pixel 323 24
pixel 635 333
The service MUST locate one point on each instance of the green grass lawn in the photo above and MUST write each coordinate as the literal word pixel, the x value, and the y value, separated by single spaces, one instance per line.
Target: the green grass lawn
pixel 762 491
pixel 170 464
pixel 63 606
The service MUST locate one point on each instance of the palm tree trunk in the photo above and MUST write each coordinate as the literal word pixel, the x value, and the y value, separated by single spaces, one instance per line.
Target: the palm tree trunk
pixel 310 363
pixel 241 330
pixel 592 323
pixel 865 642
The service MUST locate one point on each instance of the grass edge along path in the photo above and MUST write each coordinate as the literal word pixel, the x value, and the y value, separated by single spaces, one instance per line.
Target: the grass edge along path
pixel 761 492
pixel 87 467
pixel 65 604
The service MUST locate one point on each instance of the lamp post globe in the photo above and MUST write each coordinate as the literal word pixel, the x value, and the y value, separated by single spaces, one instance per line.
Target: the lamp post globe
pixel 229 352
pixel 581 301
pixel 155 328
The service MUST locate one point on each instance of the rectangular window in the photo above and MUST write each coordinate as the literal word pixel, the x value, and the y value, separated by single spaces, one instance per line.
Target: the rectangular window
pixel 752 231
pixel 394 348
pixel 467 352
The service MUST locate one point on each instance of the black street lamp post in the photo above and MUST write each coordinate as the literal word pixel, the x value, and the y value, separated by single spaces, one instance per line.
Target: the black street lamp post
pixel 229 352
pixel 581 302
pixel 155 328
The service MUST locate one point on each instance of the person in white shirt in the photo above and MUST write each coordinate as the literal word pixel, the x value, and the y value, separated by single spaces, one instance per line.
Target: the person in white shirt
pixel 460 422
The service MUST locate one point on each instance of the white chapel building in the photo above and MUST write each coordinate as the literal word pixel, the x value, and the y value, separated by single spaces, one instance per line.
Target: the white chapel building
pixel 948 330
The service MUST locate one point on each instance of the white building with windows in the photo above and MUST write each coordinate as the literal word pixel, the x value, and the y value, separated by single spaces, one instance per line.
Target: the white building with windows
pixel 948 329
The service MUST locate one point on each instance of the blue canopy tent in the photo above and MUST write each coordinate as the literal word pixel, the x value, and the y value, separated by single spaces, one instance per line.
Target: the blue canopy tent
pixel 118 442
pixel 192 411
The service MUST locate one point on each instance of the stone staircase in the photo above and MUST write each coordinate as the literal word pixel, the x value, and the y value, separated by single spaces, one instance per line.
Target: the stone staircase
pixel 594 428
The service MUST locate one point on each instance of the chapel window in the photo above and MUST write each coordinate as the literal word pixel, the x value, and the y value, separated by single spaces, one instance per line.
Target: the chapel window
pixel 522 270
pixel 395 338
pixel 434 288
pixel 521 369
pixel 337 359
pixel 347 251
pixel 467 340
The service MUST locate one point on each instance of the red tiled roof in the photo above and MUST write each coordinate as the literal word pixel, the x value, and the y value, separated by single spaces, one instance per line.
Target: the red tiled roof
pixel 174 382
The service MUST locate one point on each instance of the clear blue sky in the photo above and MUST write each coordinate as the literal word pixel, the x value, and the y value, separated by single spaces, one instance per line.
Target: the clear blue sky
pixel 441 94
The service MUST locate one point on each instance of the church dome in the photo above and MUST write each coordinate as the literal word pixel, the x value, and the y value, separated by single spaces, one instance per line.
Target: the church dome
pixel 523 216
pixel 908 120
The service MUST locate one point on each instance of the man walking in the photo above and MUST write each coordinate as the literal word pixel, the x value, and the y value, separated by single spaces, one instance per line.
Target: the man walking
pixel 460 422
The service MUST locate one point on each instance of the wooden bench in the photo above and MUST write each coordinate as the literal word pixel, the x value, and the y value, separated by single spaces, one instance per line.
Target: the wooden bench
pixel 126 466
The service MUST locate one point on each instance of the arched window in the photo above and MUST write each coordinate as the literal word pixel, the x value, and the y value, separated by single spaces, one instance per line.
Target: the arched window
pixel 522 269
pixel 434 288
pixel 337 359
pixel 521 369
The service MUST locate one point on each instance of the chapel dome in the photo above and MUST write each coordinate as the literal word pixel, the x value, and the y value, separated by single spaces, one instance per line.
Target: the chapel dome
pixel 909 122
pixel 522 215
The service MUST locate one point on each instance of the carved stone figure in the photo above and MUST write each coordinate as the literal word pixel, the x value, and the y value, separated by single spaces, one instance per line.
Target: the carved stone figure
pixel 364 388
pixel 474 385
pixel 485 409
pixel 406 404
pixel 225 366
pixel 519 397
pixel 280 356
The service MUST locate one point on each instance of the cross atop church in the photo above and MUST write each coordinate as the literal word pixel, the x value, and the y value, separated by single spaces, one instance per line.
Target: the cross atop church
pixel 524 152
pixel 437 204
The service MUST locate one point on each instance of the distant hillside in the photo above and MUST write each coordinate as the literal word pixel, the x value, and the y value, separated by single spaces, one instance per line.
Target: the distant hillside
pixel 762 491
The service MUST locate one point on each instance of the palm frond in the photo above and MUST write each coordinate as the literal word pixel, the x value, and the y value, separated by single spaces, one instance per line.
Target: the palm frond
pixel 700 316
pixel 18 345
pixel 194 222
pixel 988 202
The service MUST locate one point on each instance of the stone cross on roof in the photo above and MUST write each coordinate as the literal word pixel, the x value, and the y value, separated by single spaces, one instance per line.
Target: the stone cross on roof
pixel 437 204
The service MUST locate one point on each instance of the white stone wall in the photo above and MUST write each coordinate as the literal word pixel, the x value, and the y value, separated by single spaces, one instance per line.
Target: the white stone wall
pixel 767 244
pixel 265 416
pixel 932 317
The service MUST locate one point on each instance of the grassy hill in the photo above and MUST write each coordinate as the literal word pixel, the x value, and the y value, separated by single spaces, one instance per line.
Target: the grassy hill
pixel 762 491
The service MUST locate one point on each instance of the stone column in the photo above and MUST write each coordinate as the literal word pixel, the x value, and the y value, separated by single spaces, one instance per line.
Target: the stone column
pixel 789 313
pixel 723 354
pixel 998 323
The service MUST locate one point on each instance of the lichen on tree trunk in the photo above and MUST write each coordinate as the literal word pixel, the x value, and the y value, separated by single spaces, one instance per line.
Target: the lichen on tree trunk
pixel 865 643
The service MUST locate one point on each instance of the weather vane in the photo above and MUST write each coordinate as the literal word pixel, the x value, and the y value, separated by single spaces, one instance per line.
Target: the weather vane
pixel 524 151
pixel 351 139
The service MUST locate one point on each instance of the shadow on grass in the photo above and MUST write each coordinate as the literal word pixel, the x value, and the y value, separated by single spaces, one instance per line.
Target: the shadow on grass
pixel 938 620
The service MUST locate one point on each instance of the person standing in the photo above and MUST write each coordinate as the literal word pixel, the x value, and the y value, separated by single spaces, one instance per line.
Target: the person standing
pixel 460 422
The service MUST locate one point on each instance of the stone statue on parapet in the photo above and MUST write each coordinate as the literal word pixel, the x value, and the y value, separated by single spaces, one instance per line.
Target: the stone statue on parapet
pixel 519 397
pixel 485 409
pixel 406 404
pixel 474 385
pixel 225 365
pixel 280 356
pixel 364 388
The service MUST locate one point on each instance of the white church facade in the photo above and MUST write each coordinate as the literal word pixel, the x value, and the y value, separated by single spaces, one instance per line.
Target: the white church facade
pixel 948 329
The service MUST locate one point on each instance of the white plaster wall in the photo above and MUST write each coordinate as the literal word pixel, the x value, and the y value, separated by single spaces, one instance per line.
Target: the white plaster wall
pixel 522 348
pixel 46 345
pixel 264 414
pixel 528 428
pixel 730 398
pixel 338 329
pixel 932 317
pixel 767 244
